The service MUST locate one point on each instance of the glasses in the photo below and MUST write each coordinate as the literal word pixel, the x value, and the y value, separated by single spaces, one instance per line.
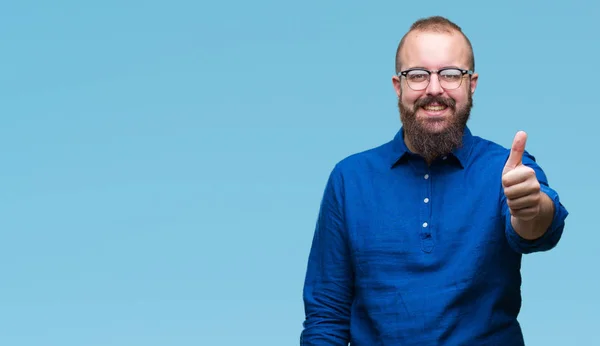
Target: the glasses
pixel 450 78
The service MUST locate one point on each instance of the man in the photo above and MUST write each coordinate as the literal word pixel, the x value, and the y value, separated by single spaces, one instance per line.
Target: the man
pixel 419 241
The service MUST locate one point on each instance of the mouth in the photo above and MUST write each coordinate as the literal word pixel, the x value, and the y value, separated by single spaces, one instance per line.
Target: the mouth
pixel 435 109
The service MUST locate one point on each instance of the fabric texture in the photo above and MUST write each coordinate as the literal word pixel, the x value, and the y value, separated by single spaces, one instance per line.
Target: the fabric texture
pixel 409 254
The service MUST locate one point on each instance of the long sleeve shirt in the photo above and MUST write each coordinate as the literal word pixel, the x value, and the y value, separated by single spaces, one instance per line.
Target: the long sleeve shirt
pixel 406 253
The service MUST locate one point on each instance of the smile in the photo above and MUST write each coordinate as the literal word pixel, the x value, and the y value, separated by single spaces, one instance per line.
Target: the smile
pixel 435 108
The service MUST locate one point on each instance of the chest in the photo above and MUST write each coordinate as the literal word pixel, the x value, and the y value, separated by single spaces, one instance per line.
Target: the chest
pixel 418 219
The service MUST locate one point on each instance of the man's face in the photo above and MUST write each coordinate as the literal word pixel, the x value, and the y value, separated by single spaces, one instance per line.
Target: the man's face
pixel 434 118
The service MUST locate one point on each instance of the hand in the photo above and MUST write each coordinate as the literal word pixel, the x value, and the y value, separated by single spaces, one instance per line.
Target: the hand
pixel 521 187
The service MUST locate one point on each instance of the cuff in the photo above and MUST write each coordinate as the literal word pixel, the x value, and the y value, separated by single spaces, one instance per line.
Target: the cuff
pixel 549 239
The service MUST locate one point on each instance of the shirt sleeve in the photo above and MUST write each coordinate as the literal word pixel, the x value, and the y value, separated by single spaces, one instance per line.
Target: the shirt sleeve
pixel 552 236
pixel 328 284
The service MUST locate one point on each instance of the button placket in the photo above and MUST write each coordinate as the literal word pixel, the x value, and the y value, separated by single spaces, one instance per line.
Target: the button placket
pixel 427 242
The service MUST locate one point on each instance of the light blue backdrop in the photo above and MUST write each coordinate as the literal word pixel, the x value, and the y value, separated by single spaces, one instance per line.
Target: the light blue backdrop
pixel 162 162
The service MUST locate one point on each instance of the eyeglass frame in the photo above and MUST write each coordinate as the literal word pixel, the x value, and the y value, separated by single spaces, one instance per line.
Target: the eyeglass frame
pixel 430 72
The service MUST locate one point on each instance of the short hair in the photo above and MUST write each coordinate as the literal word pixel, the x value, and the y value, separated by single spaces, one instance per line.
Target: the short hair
pixel 435 24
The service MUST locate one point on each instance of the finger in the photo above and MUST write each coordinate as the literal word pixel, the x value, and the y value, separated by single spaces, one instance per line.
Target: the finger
pixel 524 202
pixel 516 152
pixel 525 214
pixel 522 189
pixel 518 175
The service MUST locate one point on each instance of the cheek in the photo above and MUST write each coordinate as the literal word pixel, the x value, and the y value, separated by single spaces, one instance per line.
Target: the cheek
pixel 461 98
pixel 408 97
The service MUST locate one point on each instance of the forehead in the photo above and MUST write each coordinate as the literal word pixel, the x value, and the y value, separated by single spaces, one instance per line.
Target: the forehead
pixel 434 50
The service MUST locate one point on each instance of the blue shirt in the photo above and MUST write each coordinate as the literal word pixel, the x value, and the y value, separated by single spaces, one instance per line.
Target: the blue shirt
pixel 410 254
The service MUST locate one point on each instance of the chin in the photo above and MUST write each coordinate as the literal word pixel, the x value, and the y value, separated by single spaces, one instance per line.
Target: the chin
pixel 435 125
pixel 434 130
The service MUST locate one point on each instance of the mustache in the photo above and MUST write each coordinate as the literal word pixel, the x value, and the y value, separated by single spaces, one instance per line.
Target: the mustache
pixel 448 102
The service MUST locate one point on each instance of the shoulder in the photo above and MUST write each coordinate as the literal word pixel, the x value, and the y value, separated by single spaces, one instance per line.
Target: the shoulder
pixel 364 162
pixel 488 152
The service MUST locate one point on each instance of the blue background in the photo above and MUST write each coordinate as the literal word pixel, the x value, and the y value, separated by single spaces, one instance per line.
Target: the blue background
pixel 162 162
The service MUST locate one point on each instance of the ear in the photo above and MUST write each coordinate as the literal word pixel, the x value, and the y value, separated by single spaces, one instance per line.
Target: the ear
pixel 474 79
pixel 397 85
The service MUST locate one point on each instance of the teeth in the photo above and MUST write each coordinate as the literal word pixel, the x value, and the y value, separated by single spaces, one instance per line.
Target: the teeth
pixel 435 108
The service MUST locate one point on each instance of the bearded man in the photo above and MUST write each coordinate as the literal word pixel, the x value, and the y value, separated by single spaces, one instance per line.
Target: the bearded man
pixel 419 241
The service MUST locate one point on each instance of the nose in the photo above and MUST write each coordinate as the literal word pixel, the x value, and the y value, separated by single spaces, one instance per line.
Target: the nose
pixel 434 87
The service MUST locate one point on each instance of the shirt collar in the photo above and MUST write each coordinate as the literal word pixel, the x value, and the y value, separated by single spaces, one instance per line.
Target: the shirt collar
pixel 400 151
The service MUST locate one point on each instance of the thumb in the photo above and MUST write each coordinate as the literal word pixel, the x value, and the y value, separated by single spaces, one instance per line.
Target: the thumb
pixel 517 149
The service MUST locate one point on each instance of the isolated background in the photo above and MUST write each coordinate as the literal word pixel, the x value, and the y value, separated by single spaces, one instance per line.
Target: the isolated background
pixel 162 162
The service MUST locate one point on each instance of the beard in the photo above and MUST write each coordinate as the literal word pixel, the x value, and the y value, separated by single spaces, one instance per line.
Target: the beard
pixel 429 143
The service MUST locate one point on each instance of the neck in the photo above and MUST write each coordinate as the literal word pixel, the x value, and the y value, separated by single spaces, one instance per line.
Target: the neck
pixel 412 149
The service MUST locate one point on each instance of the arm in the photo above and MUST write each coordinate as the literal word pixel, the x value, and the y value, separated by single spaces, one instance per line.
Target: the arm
pixel 542 233
pixel 535 218
pixel 535 228
pixel 328 284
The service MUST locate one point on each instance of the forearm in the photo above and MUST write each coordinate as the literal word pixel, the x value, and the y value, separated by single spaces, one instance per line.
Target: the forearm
pixel 328 287
pixel 537 227
pixel 327 299
pixel 324 327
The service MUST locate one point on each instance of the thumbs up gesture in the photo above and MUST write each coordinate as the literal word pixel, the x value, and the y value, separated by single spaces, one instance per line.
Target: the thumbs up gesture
pixel 521 187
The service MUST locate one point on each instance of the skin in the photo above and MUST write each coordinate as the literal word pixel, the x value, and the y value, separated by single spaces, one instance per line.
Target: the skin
pixel 434 51
pixel 531 210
